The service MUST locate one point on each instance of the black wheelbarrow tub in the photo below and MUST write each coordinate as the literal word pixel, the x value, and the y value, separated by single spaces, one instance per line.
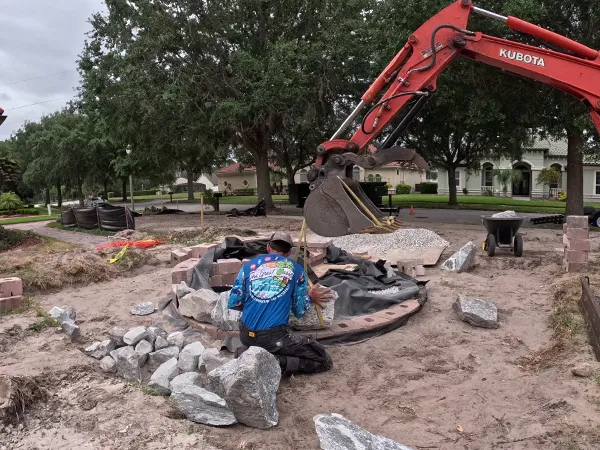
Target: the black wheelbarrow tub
pixel 503 228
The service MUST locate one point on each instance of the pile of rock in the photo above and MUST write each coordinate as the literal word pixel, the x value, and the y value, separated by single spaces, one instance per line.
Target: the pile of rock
pixel 66 316
pixel 204 384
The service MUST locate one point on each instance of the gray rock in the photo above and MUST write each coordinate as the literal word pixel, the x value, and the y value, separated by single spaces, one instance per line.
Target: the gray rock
pixel 128 362
pixel 63 313
pixel 116 334
pixel 99 349
pixel 189 356
pixel 160 343
pixel 199 304
pixel 108 365
pixel 211 359
pixel 477 312
pixel 154 333
pixel 183 289
pixel 135 335
pixel 161 379
pixel 249 386
pixel 143 309
pixel 155 359
pixel 311 321
pixel 584 370
pixel 202 406
pixel 144 347
pixel 224 318
pixel 71 329
pixel 186 379
pixel 176 339
pixel 338 433
pixel 462 260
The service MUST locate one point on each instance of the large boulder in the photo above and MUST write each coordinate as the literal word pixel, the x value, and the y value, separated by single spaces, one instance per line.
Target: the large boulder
pixel 107 365
pixel 187 378
pixel 176 339
pixel 199 304
pixel 462 260
pixel 128 362
pixel 63 313
pixel 201 406
pixel 477 312
pixel 183 289
pixel 160 381
pixel 311 320
pixel 224 318
pixel 338 433
pixel 189 356
pixel 155 359
pixel 249 386
pixel 135 335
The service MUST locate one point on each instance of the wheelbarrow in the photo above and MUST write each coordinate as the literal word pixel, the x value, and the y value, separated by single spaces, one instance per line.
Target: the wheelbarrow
pixel 502 233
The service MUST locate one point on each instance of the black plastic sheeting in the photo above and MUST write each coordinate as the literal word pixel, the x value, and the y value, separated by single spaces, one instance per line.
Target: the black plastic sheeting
pixel 353 287
pixel 259 210
pixel 106 217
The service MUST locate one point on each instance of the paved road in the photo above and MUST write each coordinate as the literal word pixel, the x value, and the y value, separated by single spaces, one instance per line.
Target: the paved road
pixel 74 237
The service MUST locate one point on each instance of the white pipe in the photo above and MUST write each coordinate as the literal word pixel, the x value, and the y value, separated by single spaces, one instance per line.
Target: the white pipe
pixel 349 120
pixel 486 13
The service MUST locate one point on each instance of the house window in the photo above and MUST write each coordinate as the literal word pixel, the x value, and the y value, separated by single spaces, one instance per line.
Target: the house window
pixel 303 176
pixel 370 178
pixel 487 178
pixel 597 184
pixel 377 177
pixel 431 176
pixel 245 183
pixel 457 178
pixel 356 173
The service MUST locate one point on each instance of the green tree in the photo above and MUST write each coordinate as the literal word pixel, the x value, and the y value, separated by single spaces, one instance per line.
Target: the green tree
pixel 548 176
pixel 506 177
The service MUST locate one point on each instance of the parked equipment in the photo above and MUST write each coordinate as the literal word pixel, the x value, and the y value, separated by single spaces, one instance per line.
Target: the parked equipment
pixel 503 233
pixel 337 205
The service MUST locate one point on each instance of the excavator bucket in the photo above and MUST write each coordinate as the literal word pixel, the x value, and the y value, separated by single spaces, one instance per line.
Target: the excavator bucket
pixel 338 206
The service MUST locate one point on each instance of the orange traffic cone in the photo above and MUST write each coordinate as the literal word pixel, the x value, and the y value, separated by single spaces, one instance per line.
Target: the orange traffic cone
pixel 412 210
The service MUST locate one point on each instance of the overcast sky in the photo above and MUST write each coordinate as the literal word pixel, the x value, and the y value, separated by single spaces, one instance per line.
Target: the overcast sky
pixel 40 38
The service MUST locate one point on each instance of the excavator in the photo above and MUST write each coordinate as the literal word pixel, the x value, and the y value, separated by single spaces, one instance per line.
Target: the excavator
pixel 336 204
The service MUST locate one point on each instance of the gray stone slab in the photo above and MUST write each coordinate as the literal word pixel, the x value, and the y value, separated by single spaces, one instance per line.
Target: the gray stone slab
pixel 143 309
pixel 160 381
pixel 189 356
pixel 128 362
pixel 477 312
pixel 135 335
pixel 155 359
pixel 462 260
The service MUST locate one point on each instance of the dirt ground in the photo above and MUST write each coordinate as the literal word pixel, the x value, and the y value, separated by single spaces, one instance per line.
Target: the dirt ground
pixel 419 385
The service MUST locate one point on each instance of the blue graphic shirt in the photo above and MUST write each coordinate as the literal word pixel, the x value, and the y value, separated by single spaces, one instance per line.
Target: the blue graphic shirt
pixel 266 289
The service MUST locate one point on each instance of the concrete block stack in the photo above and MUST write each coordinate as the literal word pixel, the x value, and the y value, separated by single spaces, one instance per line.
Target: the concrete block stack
pixel 576 241
pixel 224 272
pixel 183 254
pixel 11 294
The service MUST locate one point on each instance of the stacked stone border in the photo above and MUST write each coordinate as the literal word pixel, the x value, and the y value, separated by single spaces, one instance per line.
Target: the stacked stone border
pixel 576 242
pixel 11 294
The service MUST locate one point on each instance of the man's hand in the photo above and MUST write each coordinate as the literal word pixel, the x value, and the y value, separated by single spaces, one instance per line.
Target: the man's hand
pixel 319 295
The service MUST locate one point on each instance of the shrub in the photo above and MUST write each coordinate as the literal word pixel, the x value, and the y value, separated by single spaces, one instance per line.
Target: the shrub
pixel 465 191
pixel 209 198
pixel 562 196
pixel 487 193
pixel 403 189
pixel 429 188
pixel 25 211
pixel 10 202
pixel 246 191
pixel 146 192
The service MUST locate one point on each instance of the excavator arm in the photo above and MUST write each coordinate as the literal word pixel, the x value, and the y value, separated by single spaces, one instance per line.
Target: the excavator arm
pixel 337 205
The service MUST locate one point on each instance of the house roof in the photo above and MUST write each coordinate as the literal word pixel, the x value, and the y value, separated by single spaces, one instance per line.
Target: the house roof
pixel 553 147
pixel 239 168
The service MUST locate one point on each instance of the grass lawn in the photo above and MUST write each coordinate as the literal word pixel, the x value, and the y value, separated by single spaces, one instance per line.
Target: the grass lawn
pixel 28 219
pixel 97 232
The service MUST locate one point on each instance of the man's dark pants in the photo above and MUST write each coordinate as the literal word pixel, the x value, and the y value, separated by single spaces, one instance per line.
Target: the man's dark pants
pixel 296 353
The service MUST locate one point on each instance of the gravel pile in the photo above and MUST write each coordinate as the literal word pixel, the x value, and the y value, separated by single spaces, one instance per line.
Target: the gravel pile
pixel 402 239
pixel 505 215
pixel 384 292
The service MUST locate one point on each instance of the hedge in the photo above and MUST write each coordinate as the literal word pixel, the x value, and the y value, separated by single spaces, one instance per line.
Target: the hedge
pixel 403 189
pixel 246 191
pixel 429 188
pixel 25 211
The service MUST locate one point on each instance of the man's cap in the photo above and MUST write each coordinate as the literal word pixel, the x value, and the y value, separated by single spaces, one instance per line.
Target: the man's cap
pixel 282 236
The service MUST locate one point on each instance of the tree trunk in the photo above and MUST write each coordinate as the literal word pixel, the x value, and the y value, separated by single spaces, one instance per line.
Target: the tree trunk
pixel 452 186
pixel 574 174
pixel 47 194
pixel 124 189
pixel 59 194
pixel 190 183
pixel 106 188
pixel 80 192
pixel 289 174
pixel 263 183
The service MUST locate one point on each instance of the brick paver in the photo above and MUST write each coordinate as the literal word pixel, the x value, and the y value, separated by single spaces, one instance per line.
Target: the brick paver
pixel 74 237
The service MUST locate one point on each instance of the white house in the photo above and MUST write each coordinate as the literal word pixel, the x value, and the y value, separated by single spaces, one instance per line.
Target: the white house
pixel 543 153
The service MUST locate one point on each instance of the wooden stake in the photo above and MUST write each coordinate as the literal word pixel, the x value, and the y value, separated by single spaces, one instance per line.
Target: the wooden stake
pixel 202 213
